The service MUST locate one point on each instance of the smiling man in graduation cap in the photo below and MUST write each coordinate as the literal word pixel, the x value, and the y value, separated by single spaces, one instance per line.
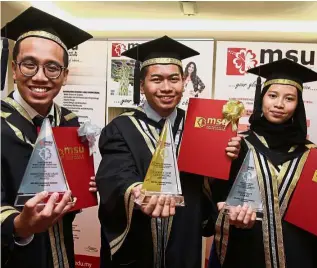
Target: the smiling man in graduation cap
pixel 34 237
pixel 156 234
pixel 277 138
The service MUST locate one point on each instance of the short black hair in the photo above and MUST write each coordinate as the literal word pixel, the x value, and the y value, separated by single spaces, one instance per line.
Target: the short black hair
pixel 16 51
pixel 144 71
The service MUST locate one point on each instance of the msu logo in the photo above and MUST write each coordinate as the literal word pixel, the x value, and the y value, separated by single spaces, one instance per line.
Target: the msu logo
pixel 239 60
pixel 200 122
pixel 118 49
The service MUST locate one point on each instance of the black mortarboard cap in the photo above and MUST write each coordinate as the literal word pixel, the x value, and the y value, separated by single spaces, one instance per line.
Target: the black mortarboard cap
pixel 34 22
pixel 285 72
pixel 163 47
pixel 163 50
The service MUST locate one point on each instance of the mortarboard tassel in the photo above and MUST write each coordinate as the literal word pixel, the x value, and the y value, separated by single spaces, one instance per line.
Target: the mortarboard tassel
pixel 257 109
pixel 4 61
pixel 136 83
pixel 257 97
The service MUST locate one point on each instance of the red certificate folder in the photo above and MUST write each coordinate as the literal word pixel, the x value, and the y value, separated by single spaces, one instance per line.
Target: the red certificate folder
pixel 78 165
pixel 302 209
pixel 205 139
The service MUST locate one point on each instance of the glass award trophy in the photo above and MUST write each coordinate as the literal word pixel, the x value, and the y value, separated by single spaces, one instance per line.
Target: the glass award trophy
pixel 44 171
pixel 245 189
pixel 162 177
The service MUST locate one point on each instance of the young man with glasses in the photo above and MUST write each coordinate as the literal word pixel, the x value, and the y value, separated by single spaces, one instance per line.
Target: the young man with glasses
pixel 36 236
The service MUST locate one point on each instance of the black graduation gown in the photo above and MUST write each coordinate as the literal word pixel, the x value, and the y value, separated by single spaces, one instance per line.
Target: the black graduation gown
pixel 17 135
pixel 246 247
pixel 125 146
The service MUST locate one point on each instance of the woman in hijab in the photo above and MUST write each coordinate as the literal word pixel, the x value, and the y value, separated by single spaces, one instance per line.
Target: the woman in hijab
pixel 277 143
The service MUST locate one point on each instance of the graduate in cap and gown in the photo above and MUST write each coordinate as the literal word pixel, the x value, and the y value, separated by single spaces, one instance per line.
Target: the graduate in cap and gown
pixel 277 136
pixel 35 236
pixel 156 234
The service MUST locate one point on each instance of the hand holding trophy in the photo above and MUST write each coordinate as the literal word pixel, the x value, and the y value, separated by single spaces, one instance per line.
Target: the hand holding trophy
pixel 36 219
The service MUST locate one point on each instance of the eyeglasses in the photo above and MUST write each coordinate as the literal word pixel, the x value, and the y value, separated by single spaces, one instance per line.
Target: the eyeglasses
pixel 51 70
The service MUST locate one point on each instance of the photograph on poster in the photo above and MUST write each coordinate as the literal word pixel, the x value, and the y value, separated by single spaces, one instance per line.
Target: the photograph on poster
pixel 193 85
pixel 122 74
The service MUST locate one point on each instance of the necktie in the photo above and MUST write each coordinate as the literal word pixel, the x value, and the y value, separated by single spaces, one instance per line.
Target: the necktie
pixel 38 120
pixel 162 122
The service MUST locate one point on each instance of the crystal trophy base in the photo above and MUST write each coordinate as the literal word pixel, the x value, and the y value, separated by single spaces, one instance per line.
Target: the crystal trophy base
pixel 21 199
pixel 259 212
pixel 145 197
